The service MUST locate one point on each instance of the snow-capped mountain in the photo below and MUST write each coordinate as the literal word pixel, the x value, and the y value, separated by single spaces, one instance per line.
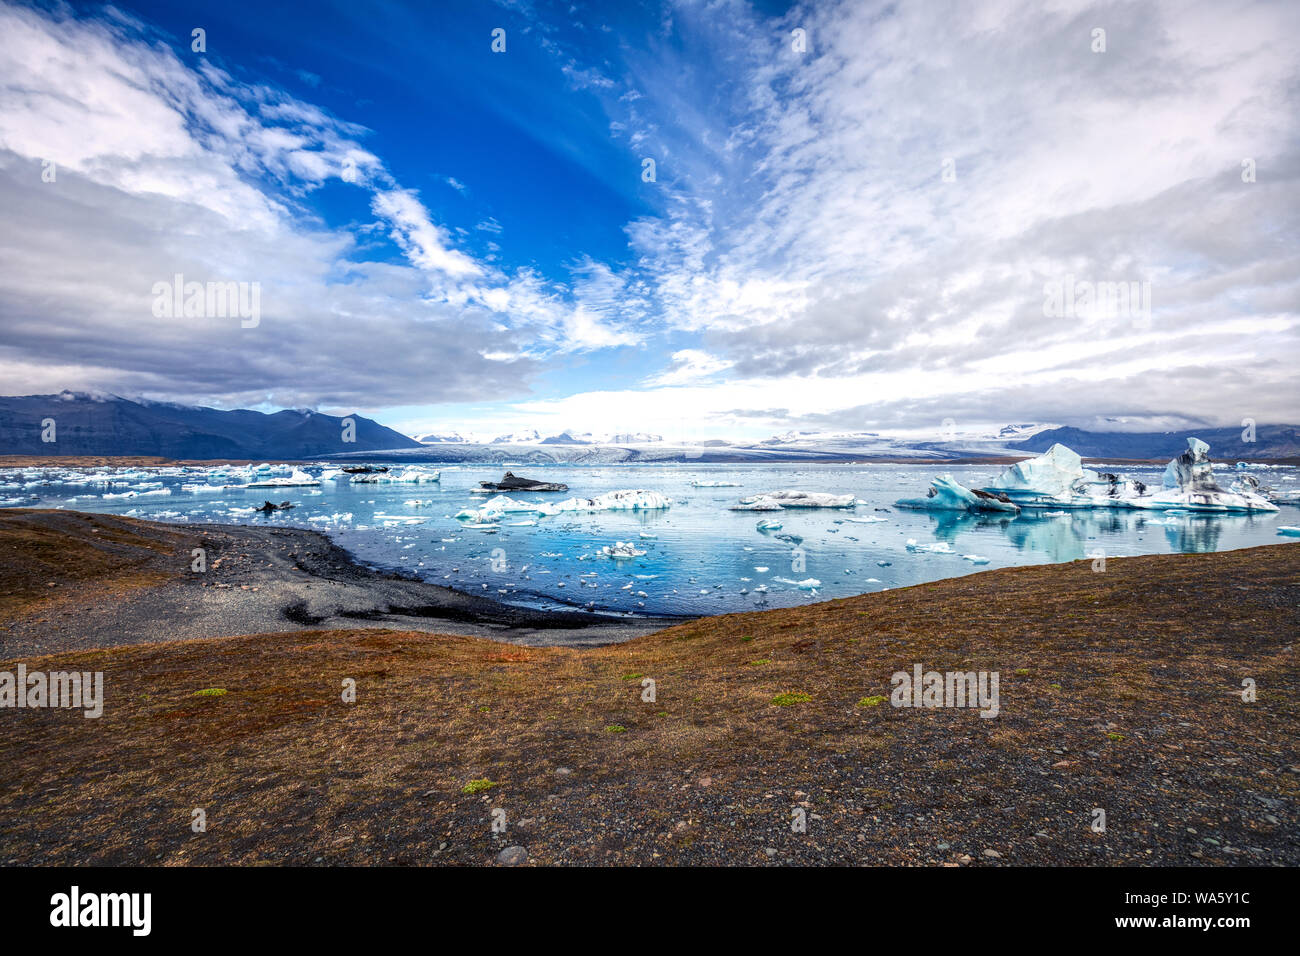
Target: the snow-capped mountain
pixel 448 438
pixel 528 436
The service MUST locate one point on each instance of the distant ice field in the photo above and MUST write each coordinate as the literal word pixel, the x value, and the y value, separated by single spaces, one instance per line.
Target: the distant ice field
pixel 695 557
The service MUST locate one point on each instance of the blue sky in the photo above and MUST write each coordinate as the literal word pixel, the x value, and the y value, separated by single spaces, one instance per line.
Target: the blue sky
pixel 858 212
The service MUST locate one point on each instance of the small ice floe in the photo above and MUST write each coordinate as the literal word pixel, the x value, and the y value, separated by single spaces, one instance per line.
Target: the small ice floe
pixel 621 550
pixel 776 500
pixel 975 558
pixel 761 570
pixel 1289 530
pixel 1056 514
pixel 339 517
pixel 869 519
pixel 808 584
pixel 939 547
pixel 769 524
pixel 648 535
pixel 873 580
pixel 715 484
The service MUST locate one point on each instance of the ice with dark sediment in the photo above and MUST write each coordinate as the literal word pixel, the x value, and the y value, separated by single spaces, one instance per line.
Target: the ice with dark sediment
pixel 1057 479
pixel 947 494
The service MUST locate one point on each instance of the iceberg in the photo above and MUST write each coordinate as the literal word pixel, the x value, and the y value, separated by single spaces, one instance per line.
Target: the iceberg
pixel 407 476
pixel 621 550
pixel 512 482
pixel 631 500
pixel 939 547
pixel 775 500
pixel 299 479
pixel 1289 530
pixel 715 484
pixel 769 524
pixel 1057 479
pixel 1189 484
pixel 947 494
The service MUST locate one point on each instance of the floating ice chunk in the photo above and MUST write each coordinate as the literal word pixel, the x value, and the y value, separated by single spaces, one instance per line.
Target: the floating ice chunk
pixel 769 524
pixel 794 499
pixel 1288 530
pixel 975 558
pixel 939 547
pixel 1056 514
pixel 715 484
pixel 621 550
pixel 628 500
pixel 298 479
pixel 869 519
pixel 947 494
pixel 761 570
pixel 407 476
pixel 808 584
pixel 648 535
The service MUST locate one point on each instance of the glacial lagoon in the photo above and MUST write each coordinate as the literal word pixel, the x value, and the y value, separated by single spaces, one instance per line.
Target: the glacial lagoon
pixel 695 557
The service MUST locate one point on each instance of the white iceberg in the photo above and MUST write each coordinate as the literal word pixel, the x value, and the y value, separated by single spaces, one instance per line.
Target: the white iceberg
pixel 939 547
pixel 808 584
pixel 947 494
pixel 621 550
pixel 298 479
pixel 630 500
pixel 774 500
pixel 407 476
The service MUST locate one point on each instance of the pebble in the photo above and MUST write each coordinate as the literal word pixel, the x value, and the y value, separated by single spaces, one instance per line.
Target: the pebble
pixel 512 856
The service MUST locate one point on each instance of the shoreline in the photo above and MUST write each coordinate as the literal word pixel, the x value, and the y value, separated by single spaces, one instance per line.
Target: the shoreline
pixel 257 580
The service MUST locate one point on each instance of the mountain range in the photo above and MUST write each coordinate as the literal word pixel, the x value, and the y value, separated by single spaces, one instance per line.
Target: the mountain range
pixel 86 424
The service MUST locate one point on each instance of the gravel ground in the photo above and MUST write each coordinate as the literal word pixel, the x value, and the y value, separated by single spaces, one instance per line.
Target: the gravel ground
pixel 258 580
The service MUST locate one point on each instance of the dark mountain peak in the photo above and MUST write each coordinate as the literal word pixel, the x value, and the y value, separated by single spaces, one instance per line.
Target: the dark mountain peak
pixel 102 424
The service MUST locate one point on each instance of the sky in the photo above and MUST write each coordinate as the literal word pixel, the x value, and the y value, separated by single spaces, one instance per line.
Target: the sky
pixel 699 219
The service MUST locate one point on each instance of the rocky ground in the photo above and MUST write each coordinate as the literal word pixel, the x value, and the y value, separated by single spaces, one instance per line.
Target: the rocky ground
pixel 108 581
pixel 769 737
